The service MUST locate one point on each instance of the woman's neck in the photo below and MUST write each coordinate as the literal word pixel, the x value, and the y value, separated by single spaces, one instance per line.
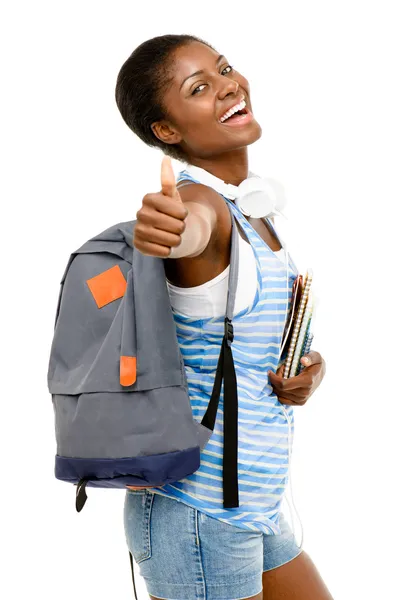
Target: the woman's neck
pixel 231 167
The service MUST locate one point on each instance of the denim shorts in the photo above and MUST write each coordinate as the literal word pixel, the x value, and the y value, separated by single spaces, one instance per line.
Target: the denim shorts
pixel 184 554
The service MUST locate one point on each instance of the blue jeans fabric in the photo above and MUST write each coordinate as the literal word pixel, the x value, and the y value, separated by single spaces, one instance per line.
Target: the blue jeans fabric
pixel 184 554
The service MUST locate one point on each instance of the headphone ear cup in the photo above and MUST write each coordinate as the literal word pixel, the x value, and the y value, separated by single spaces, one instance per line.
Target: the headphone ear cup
pixel 256 204
pixel 279 192
pixel 260 197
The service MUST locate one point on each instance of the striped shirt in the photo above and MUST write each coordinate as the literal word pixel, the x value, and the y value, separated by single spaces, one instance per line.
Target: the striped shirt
pixel 263 431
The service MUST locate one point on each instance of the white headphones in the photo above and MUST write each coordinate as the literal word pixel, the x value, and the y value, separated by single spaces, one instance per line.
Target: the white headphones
pixel 256 197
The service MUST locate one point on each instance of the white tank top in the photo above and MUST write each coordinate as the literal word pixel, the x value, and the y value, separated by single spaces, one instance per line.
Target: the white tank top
pixel 209 299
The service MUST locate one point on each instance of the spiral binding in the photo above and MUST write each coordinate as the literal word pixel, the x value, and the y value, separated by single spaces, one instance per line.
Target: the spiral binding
pixel 300 328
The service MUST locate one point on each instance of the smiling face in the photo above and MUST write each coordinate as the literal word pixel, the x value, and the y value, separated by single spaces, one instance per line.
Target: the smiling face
pixel 207 105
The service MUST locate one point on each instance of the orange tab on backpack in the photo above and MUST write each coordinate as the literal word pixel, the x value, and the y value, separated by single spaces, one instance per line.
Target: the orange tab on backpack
pixel 108 286
pixel 127 370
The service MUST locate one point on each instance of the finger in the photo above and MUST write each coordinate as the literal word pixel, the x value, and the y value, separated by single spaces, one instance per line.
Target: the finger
pixel 166 205
pixel 146 233
pixel 275 378
pixel 168 180
pixel 152 249
pixel 298 384
pixel 280 370
pixel 299 395
pixel 159 220
pixel 290 401
pixel 303 380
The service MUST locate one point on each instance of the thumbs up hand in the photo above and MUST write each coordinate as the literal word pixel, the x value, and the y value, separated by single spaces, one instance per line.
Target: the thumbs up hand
pixel 161 219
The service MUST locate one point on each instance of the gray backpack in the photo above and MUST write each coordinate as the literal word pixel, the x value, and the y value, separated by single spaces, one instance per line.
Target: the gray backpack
pixel 117 378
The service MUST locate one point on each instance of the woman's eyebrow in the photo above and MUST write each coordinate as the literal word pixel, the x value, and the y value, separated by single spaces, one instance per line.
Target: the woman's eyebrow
pixel 199 72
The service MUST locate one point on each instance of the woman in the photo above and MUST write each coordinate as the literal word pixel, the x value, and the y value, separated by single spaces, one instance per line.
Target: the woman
pixel 178 94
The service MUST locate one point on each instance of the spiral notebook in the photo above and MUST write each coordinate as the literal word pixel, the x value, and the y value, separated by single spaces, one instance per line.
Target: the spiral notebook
pixel 297 336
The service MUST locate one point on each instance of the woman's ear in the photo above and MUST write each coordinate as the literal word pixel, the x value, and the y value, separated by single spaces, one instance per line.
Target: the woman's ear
pixel 165 132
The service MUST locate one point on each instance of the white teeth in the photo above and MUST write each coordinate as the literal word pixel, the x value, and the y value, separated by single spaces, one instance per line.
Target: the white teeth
pixel 232 111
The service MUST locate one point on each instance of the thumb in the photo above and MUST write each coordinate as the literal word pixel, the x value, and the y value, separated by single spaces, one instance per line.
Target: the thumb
pixel 168 180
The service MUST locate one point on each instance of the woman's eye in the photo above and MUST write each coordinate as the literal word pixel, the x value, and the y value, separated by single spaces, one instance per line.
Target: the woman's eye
pixel 197 89
pixel 227 70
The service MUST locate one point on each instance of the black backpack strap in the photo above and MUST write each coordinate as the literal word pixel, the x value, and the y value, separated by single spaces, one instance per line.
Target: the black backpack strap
pixel 133 575
pixel 226 372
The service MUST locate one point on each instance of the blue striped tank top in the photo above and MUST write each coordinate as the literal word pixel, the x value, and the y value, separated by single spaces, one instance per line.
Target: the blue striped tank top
pixel 263 430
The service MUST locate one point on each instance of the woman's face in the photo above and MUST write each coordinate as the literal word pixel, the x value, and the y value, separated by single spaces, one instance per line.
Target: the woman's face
pixel 203 91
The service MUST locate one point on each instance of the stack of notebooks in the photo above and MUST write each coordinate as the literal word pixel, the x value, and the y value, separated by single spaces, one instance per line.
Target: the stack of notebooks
pixel 297 336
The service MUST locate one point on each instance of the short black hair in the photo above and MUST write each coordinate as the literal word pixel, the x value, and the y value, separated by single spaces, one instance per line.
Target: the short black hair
pixel 141 82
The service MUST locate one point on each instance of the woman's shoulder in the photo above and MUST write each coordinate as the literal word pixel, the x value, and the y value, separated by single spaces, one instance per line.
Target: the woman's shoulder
pixel 203 194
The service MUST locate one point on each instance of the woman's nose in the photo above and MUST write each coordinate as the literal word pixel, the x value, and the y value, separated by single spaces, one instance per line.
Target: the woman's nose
pixel 229 86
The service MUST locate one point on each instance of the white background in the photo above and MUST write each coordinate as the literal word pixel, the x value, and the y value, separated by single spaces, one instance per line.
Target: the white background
pixel 327 88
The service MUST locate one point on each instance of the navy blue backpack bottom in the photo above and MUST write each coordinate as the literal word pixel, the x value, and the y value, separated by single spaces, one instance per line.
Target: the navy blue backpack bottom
pixel 151 471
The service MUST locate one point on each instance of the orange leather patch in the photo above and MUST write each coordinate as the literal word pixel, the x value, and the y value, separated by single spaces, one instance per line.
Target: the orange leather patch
pixel 108 286
pixel 127 370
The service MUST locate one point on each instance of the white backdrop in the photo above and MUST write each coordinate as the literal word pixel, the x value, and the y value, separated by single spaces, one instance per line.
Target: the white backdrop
pixel 327 88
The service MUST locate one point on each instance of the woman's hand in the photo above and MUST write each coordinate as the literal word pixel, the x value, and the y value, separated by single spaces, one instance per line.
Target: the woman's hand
pixel 160 222
pixel 296 390
pixel 165 227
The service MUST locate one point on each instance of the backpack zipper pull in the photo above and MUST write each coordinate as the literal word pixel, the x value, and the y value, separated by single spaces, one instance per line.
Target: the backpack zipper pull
pixel 81 495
